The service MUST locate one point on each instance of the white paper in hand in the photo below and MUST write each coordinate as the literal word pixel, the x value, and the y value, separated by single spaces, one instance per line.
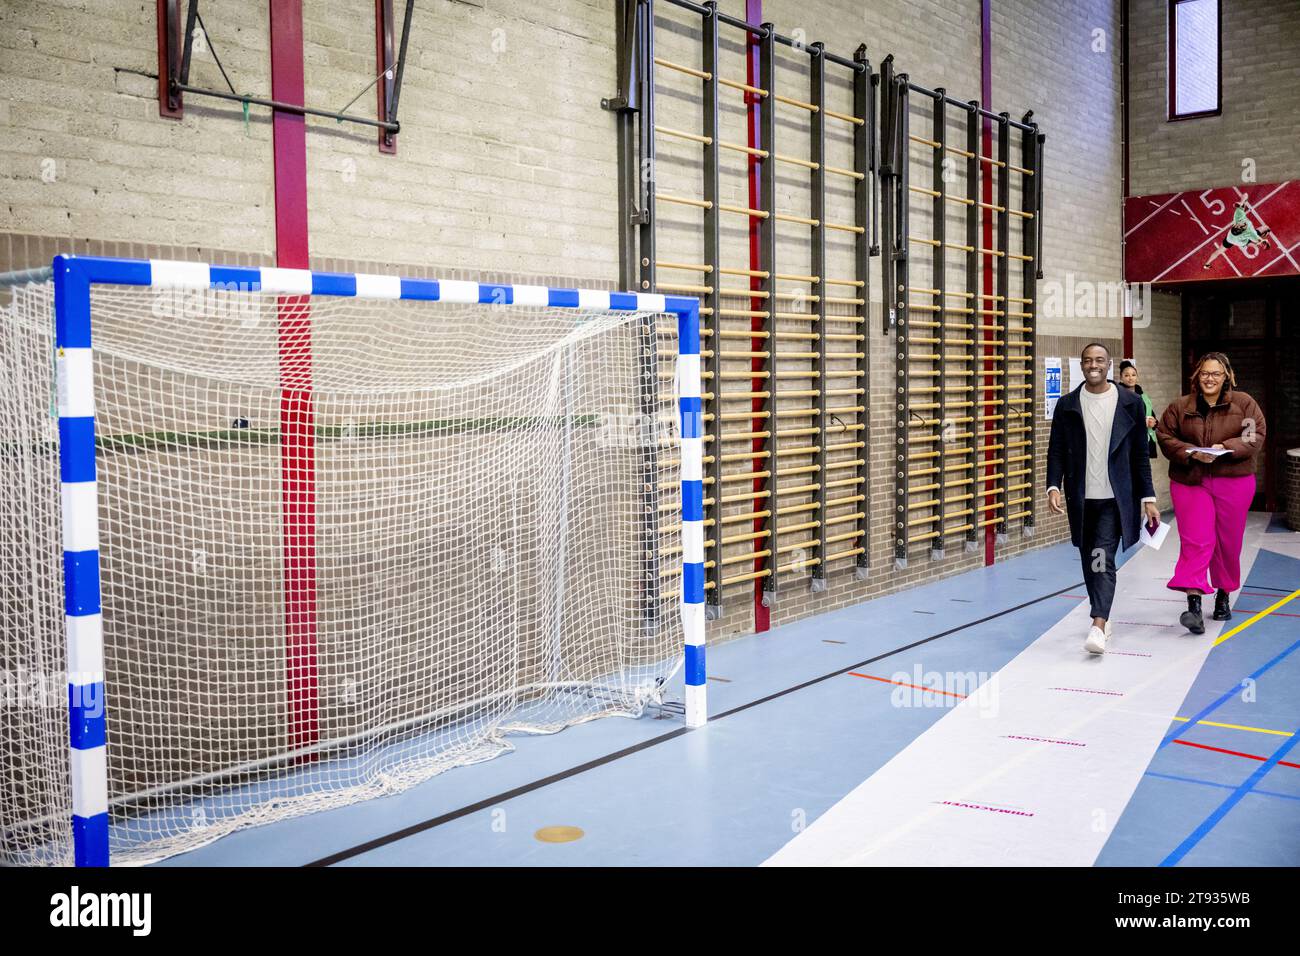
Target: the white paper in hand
pixel 1154 538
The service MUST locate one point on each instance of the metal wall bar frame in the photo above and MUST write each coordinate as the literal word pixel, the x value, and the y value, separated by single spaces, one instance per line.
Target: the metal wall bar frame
pixel 864 247
pixel 817 175
pixel 639 268
pixel 942 427
pixel 991 392
pixel 974 172
pixel 713 306
pixel 766 548
pixel 998 309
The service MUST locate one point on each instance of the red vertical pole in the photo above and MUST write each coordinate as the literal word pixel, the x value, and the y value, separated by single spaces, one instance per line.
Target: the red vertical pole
pixel 753 119
pixel 986 188
pixel 1123 112
pixel 297 418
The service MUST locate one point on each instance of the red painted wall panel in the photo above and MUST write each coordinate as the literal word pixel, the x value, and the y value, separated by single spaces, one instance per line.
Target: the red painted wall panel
pixel 1171 237
pixel 297 412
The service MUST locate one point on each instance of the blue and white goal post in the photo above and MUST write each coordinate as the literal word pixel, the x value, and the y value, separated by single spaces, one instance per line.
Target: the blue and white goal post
pixel 75 281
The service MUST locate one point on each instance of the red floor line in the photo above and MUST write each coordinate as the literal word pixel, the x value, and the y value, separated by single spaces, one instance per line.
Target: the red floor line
pixel 1235 753
pixel 886 680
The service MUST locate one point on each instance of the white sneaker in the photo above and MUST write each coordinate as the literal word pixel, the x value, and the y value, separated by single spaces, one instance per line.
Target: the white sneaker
pixel 1096 642
pixel 1108 627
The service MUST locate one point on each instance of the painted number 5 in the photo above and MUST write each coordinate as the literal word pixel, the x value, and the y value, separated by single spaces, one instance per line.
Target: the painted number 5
pixel 1215 206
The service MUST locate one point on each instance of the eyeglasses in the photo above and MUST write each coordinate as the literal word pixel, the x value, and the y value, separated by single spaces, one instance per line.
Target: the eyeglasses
pixel 1215 376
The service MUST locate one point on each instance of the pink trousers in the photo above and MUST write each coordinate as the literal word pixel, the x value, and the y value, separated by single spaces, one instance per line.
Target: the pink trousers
pixel 1211 524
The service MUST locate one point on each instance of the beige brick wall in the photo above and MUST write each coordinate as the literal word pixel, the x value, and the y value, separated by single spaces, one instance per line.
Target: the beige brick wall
pixel 506 160
pixel 1043 60
pixel 84 153
pixel 1062 60
pixel 506 163
pixel 1157 344
pixel 1252 140
pixel 1261 86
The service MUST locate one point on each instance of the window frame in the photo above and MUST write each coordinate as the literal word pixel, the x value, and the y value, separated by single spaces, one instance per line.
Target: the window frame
pixel 1172 64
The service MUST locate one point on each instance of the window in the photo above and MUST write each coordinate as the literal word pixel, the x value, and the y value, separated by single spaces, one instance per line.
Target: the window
pixel 1194 58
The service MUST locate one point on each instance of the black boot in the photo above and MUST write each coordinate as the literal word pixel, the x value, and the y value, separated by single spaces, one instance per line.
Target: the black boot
pixel 1191 618
pixel 1221 610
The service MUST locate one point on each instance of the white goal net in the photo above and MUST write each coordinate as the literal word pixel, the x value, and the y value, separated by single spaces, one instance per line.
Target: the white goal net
pixel 467 529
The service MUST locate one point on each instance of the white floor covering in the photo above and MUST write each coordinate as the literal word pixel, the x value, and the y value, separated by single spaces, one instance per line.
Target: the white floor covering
pixel 1035 767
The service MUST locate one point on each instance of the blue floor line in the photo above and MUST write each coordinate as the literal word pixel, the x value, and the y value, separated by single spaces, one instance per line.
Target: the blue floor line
pixel 1221 786
pixel 842 706
pixel 1270 703
pixel 724 794
pixel 1158 819
pixel 1266 563
pixel 1226 696
pixel 1197 835
pixel 760 664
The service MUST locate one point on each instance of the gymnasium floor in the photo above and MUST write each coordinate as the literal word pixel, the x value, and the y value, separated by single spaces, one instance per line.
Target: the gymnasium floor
pixel 1192 759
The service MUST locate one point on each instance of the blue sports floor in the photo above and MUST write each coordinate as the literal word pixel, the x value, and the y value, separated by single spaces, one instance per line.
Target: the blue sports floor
pixel 802 715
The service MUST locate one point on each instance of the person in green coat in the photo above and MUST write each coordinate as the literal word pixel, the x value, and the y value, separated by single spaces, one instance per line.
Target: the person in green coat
pixel 1128 377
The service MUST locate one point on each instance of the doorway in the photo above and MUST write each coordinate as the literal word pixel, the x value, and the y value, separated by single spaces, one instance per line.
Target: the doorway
pixel 1256 323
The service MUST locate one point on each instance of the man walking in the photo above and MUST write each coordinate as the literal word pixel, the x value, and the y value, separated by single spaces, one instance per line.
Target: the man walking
pixel 1097 455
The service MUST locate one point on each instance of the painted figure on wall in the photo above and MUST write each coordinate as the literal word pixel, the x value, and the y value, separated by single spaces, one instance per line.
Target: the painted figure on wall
pixel 1242 234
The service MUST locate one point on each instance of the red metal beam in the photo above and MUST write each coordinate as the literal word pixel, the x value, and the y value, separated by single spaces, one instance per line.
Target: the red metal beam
pixel 986 190
pixel 1124 135
pixel 297 416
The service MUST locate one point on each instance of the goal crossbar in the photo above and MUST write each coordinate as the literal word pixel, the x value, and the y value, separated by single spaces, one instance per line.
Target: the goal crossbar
pixel 73 280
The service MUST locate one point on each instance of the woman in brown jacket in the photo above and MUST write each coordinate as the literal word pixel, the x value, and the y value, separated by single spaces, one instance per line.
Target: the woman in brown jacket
pixel 1211 437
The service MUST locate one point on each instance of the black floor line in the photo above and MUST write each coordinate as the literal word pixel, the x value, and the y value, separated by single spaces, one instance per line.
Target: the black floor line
pixel 1265 587
pixel 519 791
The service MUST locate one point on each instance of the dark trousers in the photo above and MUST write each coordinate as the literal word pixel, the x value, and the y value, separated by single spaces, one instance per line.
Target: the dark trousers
pixel 1098 544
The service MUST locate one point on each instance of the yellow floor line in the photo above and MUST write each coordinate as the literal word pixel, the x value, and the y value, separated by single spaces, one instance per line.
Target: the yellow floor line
pixel 1258 730
pixel 1264 613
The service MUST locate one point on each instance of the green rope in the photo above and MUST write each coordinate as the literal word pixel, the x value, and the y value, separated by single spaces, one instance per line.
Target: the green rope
pixel 234 437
